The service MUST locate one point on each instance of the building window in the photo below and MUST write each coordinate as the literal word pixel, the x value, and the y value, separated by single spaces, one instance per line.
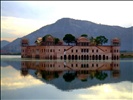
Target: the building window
pixel 81 50
pixel 76 50
pixel 97 50
pixel 51 50
pixel 59 49
pixel 81 65
pixel 92 50
pixel 107 57
pixel 71 50
pixel 72 65
pixel 64 49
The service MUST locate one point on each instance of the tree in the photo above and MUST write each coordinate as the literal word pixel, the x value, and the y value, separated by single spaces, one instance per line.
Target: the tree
pixel 101 75
pixel 101 40
pixel 69 38
pixel 44 38
pixel 68 77
pixel 92 41
pixel 84 35
pixel 56 40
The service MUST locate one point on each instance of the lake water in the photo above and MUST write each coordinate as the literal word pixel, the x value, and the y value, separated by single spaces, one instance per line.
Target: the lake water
pixel 58 79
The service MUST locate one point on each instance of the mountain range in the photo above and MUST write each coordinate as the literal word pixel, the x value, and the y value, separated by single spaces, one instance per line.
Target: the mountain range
pixel 3 43
pixel 76 27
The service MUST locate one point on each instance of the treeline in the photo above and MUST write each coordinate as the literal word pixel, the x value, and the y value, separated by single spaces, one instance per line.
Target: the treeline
pixel 69 38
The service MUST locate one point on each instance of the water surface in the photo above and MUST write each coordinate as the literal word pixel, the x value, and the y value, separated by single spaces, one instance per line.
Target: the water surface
pixel 59 79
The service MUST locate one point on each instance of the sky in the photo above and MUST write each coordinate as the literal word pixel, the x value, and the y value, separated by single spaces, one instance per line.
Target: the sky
pixel 20 18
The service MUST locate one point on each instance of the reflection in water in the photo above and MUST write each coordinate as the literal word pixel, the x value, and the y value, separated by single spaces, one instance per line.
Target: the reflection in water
pixel 70 80
pixel 71 71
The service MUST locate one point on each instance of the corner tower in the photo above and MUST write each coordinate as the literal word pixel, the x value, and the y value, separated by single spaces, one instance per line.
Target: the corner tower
pixel 115 48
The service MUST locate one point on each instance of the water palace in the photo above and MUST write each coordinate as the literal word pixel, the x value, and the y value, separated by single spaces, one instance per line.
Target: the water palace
pixel 82 50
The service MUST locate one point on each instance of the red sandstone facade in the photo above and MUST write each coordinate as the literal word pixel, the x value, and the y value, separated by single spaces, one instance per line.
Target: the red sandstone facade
pixel 83 50
pixel 83 69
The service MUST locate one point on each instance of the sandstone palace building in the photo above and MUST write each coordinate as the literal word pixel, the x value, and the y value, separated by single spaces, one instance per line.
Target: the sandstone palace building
pixel 82 50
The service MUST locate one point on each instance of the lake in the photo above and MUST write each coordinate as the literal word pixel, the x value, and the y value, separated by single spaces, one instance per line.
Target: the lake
pixel 58 79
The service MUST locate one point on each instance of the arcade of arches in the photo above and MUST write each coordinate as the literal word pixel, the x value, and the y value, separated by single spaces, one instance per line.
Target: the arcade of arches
pixel 87 57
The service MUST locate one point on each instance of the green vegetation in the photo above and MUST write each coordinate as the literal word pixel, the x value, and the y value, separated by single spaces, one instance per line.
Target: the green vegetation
pixel 10 54
pixel 44 38
pixel 69 38
pixel 100 75
pixel 68 77
pixel 56 40
pixel 101 40
pixel 84 35
pixel 126 56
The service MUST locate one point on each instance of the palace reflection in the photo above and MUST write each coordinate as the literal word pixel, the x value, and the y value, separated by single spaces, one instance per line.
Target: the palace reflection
pixel 69 71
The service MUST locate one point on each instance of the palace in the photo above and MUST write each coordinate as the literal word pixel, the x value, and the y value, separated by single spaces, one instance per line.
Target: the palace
pixel 82 69
pixel 82 50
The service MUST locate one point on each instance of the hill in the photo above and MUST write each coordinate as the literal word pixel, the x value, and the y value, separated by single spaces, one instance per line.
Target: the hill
pixel 3 43
pixel 77 27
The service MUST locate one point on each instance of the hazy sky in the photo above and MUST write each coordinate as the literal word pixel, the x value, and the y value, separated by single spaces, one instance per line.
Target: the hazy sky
pixel 19 18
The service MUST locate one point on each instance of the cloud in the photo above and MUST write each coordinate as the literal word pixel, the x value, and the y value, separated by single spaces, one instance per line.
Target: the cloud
pixel 19 26
pixel 13 80
pixel 122 90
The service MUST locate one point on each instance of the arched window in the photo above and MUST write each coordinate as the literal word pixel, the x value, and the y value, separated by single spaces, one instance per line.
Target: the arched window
pixel 69 57
pixel 93 57
pixel 99 57
pixel 107 57
pixel 65 57
pixel 96 57
pixel 117 57
pixel 90 57
pixel 50 57
pixel 103 57
pixel 114 57
pixel 85 57
pixel 76 57
pixel 72 57
pixel 61 57
pixel 79 57
pixel 82 57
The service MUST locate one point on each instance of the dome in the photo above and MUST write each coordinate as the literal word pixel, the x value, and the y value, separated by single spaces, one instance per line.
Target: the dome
pixel 82 39
pixel 39 39
pixel 50 38
pixel 115 39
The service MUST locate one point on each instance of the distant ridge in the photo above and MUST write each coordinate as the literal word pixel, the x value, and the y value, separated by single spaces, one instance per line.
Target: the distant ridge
pixel 4 43
pixel 77 27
